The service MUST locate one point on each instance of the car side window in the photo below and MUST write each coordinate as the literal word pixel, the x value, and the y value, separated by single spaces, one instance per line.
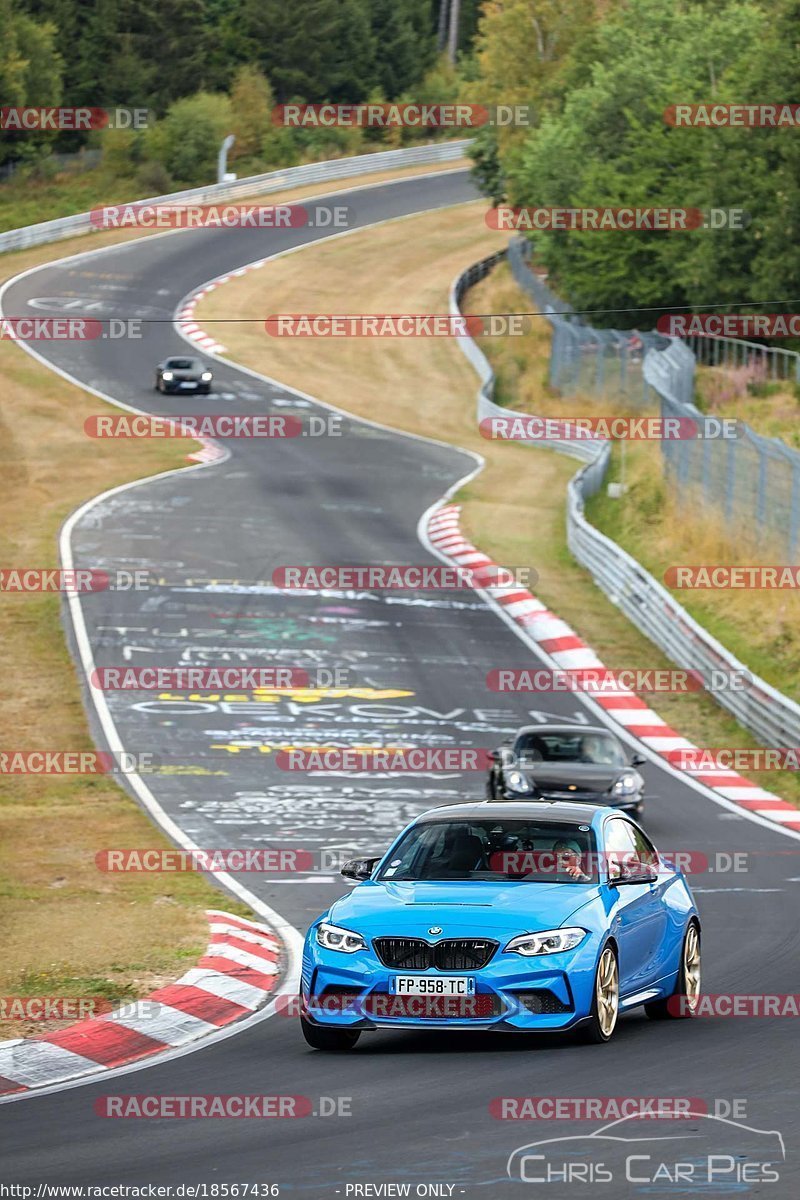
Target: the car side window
pixel 620 847
pixel 645 850
pixel 417 849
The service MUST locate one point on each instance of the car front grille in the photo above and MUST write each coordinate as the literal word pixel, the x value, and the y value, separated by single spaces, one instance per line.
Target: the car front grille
pixel 451 954
pixel 463 954
pixel 592 797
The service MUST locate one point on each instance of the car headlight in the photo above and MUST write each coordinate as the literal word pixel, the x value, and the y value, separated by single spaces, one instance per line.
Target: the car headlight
pixel 551 941
pixel 517 782
pixel 166 375
pixel 334 938
pixel 627 784
pixel 206 377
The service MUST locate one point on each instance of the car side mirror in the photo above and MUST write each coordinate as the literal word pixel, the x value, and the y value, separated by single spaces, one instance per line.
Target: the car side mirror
pixel 493 755
pixel 631 872
pixel 638 760
pixel 359 868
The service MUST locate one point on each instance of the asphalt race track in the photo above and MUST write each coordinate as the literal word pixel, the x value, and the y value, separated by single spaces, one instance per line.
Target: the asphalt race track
pixel 210 539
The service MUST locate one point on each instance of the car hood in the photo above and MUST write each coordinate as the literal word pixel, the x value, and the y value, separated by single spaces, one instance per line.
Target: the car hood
pixel 584 777
pixel 482 908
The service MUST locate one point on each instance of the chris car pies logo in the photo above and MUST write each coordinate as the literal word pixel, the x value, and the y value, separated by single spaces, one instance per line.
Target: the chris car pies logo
pixel 703 1153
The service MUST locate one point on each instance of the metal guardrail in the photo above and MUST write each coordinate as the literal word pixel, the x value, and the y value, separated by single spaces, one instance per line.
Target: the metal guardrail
pixel 586 450
pixel 752 481
pixel 253 185
pixel 771 361
pixel 771 717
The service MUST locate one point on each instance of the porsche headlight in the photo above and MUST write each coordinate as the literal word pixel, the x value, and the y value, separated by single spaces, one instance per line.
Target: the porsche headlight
pixel 166 375
pixel 206 377
pixel 627 784
pixel 517 782
pixel 551 941
pixel 334 938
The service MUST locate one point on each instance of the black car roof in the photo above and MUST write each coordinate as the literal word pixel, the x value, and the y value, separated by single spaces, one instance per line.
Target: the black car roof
pixel 565 728
pixel 516 810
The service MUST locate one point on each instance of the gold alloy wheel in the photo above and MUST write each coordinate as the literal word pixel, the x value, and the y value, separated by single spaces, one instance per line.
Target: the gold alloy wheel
pixel 607 992
pixel 691 967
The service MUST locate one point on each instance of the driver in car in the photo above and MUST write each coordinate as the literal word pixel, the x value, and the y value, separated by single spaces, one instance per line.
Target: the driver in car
pixel 596 750
pixel 569 858
pixel 464 852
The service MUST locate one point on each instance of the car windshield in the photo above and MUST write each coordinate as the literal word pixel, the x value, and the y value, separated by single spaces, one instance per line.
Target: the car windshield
pixel 181 364
pixel 529 851
pixel 569 746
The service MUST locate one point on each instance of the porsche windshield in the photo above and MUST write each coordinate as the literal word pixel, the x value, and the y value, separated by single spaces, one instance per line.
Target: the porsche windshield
pixel 525 850
pixel 571 746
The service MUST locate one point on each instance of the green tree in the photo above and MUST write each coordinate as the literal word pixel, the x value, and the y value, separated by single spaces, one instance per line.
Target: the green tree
pixel 323 51
pixel 772 73
pixel 30 74
pixel 251 106
pixel 143 53
pixel 608 145
pixel 186 141
pixel 405 43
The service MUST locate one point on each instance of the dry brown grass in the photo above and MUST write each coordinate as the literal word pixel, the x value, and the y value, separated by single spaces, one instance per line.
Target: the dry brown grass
pixel 657 524
pixel 770 407
pixel 68 929
pixel 663 527
pixel 514 510
pixel 20 260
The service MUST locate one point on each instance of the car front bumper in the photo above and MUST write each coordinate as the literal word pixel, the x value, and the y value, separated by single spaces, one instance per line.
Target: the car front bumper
pixel 632 804
pixel 356 993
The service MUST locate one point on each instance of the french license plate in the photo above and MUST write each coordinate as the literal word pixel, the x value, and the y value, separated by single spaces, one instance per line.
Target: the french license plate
pixel 433 985
pixel 190 384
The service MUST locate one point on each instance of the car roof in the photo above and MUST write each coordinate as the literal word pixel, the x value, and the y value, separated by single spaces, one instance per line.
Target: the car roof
pixel 517 810
pixel 566 727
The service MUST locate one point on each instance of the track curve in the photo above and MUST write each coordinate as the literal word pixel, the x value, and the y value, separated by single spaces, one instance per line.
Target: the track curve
pixel 420 1105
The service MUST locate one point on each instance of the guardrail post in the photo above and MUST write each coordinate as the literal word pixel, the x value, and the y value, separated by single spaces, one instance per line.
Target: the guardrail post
pixel 794 522
pixel 707 462
pixel 730 481
pixel 761 499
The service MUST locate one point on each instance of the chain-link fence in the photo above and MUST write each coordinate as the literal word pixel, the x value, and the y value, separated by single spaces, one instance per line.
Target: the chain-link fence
pixel 767 362
pixel 583 359
pixel 752 482
pixel 587 449
pixel 770 716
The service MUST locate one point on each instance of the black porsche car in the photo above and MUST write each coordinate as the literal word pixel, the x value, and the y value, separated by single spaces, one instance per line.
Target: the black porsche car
pixel 566 762
pixel 183 374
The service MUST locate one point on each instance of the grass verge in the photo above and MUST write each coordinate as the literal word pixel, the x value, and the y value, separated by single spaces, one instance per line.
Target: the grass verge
pixel 515 509
pixel 67 928
pixel 26 201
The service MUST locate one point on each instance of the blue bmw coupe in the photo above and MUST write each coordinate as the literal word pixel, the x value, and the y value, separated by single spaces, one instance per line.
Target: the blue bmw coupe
pixel 527 917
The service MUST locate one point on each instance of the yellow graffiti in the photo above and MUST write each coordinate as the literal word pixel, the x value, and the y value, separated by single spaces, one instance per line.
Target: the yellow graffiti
pixel 300 695
pixel 184 769
pixel 269 748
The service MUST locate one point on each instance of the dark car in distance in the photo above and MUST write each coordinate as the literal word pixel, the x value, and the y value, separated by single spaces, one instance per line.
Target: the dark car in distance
pixel 183 374
pixel 566 762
